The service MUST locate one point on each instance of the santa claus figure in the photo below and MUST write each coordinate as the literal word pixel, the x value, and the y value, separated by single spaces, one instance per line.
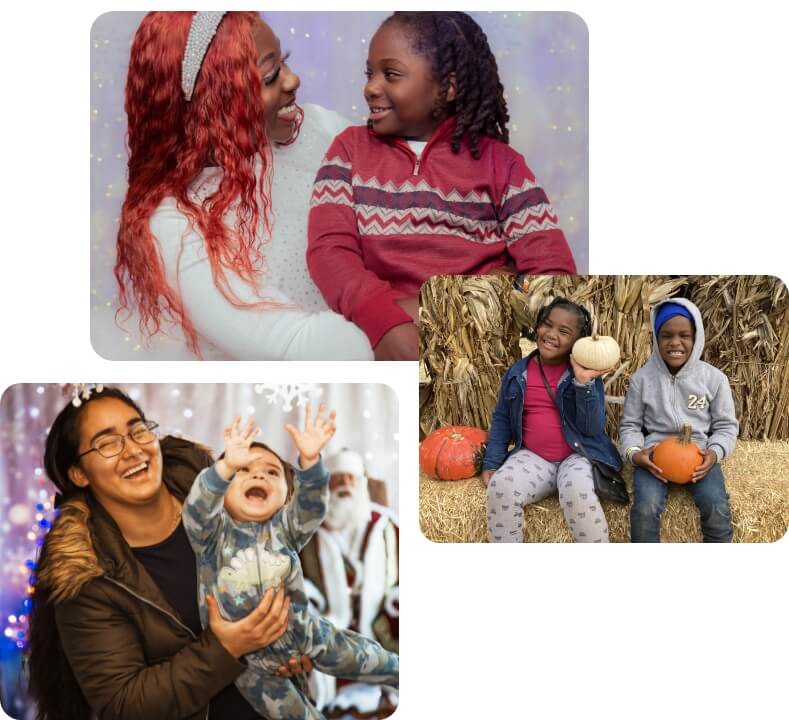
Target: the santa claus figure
pixel 351 572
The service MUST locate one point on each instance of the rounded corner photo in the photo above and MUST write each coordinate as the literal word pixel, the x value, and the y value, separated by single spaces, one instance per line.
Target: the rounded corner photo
pixel 278 185
pixel 175 527
pixel 604 409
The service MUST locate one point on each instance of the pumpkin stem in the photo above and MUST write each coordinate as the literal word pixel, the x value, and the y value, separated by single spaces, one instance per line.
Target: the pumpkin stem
pixel 686 435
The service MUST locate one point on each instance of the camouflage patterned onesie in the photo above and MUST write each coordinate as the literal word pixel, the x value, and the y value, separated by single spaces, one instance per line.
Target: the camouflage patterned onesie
pixel 238 562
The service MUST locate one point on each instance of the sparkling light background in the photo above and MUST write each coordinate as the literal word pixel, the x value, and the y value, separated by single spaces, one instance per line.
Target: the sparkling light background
pixel 543 63
pixel 366 422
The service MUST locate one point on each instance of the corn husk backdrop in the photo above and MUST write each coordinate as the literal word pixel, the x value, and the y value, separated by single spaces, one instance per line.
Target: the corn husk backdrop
pixel 470 334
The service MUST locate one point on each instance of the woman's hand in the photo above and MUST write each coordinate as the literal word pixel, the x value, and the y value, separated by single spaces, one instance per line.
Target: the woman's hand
pixel 643 458
pixel 315 436
pixel 237 443
pixel 265 624
pixel 295 666
pixel 710 458
pixel 399 343
pixel 486 476
pixel 584 374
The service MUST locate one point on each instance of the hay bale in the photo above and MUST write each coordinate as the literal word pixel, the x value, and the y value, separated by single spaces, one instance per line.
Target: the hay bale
pixel 757 477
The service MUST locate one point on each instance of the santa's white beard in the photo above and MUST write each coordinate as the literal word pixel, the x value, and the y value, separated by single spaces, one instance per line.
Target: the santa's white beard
pixel 351 511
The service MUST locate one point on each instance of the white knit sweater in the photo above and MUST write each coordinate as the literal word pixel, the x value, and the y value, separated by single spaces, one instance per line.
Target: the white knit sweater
pixel 310 332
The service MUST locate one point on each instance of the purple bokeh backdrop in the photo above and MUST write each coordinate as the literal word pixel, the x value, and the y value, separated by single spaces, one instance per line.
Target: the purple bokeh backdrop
pixel 543 62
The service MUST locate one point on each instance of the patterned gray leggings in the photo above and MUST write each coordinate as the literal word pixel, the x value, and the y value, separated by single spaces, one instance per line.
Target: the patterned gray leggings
pixel 526 478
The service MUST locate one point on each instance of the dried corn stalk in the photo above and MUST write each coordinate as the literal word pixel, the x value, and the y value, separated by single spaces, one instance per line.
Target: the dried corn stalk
pixel 468 339
pixel 746 320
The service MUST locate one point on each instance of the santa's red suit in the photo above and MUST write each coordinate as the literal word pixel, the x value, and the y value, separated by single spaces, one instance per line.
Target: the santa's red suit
pixel 355 574
pixel 351 576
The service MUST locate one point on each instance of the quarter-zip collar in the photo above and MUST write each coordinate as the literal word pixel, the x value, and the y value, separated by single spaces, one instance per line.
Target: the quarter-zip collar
pixel 441 133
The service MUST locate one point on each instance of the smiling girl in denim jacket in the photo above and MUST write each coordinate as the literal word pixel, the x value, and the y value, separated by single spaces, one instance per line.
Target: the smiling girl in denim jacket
pixel 546 456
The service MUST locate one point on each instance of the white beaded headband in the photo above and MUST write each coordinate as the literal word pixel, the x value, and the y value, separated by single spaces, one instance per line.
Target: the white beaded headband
pixel 202 31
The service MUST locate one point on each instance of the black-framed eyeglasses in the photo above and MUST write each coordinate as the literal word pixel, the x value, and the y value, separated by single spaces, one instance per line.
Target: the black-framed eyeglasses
pixel 111 445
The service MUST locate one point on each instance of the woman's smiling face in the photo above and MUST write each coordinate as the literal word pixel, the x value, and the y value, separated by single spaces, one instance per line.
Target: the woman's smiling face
pixel 131 478
pixel 556 336
pixel 279 84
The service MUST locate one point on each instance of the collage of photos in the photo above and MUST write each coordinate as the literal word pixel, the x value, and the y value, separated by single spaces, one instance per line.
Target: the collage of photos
pixel 341 280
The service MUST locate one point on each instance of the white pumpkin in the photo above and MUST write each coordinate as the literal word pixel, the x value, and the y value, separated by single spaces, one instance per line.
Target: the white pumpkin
pixel 596 352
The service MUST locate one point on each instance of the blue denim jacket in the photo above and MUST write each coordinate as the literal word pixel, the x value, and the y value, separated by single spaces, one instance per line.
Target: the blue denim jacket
pixel 582 411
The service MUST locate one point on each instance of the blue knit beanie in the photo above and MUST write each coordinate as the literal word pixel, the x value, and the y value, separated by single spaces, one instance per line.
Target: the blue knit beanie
pixel 669 310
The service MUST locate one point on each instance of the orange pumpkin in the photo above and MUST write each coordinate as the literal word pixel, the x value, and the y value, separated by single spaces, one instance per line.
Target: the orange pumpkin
pixel 678 457
pixel 453 453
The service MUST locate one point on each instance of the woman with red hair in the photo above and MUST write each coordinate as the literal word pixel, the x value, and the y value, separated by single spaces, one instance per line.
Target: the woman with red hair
pixel 213 228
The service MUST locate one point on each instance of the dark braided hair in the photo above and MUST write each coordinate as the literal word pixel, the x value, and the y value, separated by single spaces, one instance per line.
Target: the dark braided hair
pixel 581 313
pixel 455 45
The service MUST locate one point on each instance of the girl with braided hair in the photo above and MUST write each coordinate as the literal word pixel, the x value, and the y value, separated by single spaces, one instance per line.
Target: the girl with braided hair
pixel 429 187
pixel 547 428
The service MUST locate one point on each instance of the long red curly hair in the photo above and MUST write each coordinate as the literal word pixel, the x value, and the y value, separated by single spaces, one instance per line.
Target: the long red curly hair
pixel 171 141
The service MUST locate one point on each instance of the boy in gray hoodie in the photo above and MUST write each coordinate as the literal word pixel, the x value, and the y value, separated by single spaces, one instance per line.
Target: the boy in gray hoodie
pixel 674 388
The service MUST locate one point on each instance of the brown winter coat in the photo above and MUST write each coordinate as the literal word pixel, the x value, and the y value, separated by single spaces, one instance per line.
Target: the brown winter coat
pixel 131 654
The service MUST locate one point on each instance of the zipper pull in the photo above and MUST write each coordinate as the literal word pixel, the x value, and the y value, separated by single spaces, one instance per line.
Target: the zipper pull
pixel 416 165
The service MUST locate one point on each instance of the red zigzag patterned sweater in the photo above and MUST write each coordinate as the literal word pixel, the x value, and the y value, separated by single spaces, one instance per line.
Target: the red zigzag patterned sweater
pixel 382 221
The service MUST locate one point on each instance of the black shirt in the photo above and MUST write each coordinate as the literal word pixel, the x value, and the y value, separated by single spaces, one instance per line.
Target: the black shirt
pixel 171 564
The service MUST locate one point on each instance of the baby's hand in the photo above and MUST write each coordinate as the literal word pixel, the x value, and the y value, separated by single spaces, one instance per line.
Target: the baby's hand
pixel 237 443
pixel 313 439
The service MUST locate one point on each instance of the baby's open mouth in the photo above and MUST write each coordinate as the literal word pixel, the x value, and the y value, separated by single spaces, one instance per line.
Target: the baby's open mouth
pixel 136 471
pixel 256 494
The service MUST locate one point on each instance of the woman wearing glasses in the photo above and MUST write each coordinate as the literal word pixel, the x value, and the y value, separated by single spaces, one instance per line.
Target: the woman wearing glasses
pixel 115 629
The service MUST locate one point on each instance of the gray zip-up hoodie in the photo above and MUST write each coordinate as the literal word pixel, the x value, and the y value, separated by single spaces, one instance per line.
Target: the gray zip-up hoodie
pixel 658 403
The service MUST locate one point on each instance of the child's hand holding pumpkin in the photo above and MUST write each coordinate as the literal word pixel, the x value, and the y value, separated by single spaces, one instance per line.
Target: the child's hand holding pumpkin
pixel 643 458
pixel 584 374
pixel 710 458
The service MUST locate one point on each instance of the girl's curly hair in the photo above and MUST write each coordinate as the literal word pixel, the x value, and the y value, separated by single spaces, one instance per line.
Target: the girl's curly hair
pixel 457 47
